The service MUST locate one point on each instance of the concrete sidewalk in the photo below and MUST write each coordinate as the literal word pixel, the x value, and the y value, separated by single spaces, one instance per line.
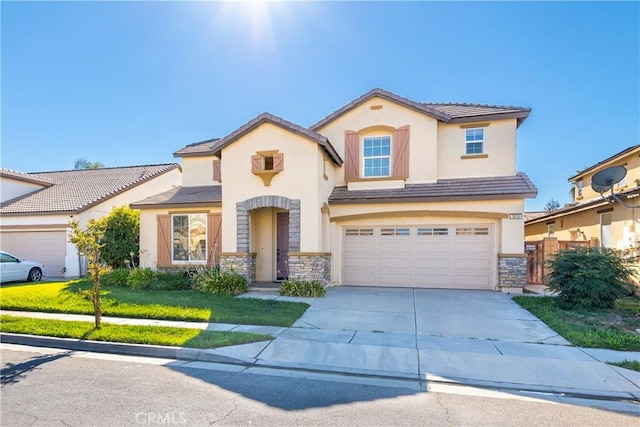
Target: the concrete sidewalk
pixel 468 337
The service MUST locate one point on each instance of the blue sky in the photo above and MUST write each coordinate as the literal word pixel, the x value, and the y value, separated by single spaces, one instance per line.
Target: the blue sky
pixel 128 83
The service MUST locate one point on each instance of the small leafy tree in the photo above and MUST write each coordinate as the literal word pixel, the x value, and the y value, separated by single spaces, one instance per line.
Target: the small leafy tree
pixel 89 243
pixel 552 206
pixel 86 164
pixel 589 277
pixel 121 238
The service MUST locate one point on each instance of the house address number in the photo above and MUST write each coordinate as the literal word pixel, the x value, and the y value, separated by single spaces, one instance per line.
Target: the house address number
pixel 515 216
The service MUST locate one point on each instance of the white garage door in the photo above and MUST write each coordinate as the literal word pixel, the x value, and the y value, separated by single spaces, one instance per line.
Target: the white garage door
pixel 47 247
pixel 438 256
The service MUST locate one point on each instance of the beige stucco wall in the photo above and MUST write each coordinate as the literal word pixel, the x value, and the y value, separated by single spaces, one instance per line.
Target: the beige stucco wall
pixel 302 178
pixel 423 160
pixel 198 171
pixel 10 188
pixel 625 226
pixel 499 146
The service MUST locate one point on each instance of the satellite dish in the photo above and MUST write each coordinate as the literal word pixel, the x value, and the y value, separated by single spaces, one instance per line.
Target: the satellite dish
pixel 600 188
pixel 608 177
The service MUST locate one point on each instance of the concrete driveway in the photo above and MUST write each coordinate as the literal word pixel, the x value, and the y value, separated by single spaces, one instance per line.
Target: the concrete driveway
pixel 473 337
pixel 427 312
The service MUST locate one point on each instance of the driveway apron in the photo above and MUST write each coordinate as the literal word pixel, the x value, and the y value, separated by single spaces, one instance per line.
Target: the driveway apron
pixel 479 337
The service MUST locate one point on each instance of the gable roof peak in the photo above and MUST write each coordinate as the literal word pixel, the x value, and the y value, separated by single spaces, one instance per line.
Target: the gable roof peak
pixel 446 112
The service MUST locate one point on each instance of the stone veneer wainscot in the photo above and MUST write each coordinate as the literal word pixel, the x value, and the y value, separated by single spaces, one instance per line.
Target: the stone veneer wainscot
pixel 310 266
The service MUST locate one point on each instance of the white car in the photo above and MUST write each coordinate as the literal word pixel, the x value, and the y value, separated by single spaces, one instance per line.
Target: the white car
pixel 13 268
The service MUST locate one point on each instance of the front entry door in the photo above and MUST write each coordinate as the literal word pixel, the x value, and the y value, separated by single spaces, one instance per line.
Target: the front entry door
pixel 282 245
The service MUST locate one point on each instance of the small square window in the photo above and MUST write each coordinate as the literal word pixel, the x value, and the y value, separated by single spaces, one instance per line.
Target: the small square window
pixel 474 141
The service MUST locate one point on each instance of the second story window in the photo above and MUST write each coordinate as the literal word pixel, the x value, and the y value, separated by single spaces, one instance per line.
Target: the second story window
pixel 377 156
pixel 474 141
pixel 579 188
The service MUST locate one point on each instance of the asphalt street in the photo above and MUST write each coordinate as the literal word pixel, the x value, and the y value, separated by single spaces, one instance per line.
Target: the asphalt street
pixel 49 387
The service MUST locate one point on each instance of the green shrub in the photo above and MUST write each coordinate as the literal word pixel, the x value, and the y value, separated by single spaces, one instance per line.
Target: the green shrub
pixel 216 282
pixel 121 237
pixel 141 278
pixel 302 288
pixel 589 277
pixel 175 281
pixel 117 277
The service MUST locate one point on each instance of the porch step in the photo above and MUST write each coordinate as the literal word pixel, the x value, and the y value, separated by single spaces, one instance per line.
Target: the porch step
pixel 264 287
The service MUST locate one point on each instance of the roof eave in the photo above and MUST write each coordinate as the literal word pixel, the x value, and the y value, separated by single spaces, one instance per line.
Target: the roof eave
pixel 143 206
pixel 434 198
pixel 519 115
pixel 606 161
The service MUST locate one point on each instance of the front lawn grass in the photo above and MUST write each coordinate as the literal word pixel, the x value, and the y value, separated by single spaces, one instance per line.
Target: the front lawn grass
pixel 612 329
pixel 132 334
pixel 64 297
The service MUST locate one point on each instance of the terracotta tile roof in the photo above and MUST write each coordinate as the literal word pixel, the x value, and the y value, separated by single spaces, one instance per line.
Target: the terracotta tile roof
pixel 205 195
pixel 464 112
pixel 503 187
pixel 447 112
pixel 197 148
pixel 215 146
pixel 607 160
pixel 78 190
pixel 26 177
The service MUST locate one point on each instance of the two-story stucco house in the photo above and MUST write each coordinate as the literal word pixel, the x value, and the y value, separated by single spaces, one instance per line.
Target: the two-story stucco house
pixel 591 217
pixel 384 191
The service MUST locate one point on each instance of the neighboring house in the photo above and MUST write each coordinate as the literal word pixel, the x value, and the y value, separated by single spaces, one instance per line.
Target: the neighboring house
pixel 590 218
pixel 384 191
pixel 37 208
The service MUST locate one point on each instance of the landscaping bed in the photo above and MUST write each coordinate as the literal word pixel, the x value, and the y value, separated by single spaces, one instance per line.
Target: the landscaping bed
pixel 595 328
pixel 118 301
pixel 131 334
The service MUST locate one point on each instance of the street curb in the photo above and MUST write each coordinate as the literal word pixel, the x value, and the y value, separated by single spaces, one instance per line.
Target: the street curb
pixel 203 355
pixel 163 352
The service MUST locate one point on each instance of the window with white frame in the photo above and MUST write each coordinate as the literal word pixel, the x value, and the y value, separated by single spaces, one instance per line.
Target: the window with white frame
pixel 474 141
pixel 189 233
pixel 376 156
pixel 579 185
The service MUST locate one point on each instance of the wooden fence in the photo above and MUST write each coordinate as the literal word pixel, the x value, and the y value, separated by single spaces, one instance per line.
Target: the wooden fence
pixel 538 253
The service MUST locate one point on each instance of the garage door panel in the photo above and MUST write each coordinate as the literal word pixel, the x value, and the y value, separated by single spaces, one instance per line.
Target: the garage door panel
pixel 360 262
pixel 432 280
pixel 360 247
pixel 472 247
pixel 432 247
pixel 472 264
pixel 438 256
pixel 394 279
pixel 394 263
